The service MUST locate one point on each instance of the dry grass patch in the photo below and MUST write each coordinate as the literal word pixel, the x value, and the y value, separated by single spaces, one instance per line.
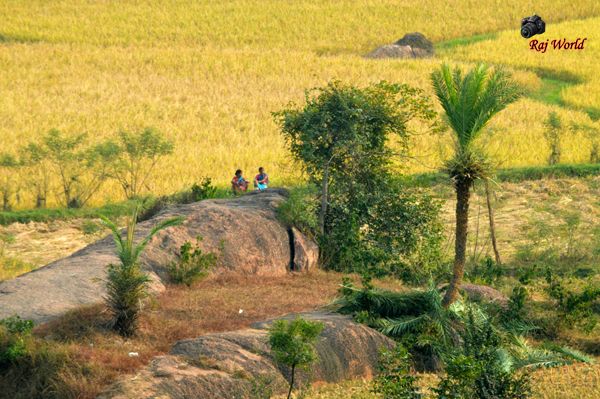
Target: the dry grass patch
pixel 216 304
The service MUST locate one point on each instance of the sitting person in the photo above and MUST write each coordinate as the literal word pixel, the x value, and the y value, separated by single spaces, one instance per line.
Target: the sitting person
pixel 238 183
pixel 261 180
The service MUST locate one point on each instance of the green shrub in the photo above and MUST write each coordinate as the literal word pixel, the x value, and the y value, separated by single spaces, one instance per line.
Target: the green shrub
pixel 41 371
pixel 204 190
pixel 394 380
pixel 487 272
pixel 387 230
pixel 476 370
pixel 516 303
pixel 576 308
pixel 14 332
pixel 292 344
pixel 193 264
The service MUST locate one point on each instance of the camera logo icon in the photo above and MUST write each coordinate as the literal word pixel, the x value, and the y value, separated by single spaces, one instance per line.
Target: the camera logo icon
pixel 531 26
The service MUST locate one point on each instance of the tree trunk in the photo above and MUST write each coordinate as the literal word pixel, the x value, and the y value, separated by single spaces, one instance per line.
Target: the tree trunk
pixel 291 381
pixel 492 223
pixel 40 201
pixel 324 199
pixel 463 192
pixel 6 202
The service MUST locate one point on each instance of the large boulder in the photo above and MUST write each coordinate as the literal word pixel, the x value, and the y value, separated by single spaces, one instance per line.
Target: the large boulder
pixel 412 45
pixel 226 365
pixel 244 231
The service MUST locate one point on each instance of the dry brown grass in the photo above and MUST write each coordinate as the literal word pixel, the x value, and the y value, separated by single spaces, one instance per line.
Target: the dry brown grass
pixel 213 305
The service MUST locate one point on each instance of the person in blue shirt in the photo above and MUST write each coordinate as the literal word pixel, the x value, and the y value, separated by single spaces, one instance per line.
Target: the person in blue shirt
pixel 261 180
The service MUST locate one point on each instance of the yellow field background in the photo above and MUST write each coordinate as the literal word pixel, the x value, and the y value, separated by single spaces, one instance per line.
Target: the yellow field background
pixel 209 73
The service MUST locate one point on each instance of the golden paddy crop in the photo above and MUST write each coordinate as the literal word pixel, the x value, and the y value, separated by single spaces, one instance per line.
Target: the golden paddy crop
pixel 208 74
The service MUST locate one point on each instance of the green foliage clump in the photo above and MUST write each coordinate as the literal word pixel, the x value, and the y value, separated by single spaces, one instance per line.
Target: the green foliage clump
pixel 477 370
pixel 394 380
pixel 204 190
pixel 433 333
pixel 13 334
pixel 193 264
pixel 487 272
pixel 576 308
pixel 384 230
pixel 516 304
pixel 292 344
pixel 126 282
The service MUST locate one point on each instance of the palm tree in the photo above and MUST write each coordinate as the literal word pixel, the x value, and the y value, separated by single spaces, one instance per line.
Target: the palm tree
pixel 126 282
pixel 469 102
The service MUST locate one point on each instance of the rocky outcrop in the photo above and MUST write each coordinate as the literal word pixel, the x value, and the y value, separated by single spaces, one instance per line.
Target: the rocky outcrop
pixel 478 292
pixel 412 45
pixel 483 292
pixel 244 231
pixel 228 365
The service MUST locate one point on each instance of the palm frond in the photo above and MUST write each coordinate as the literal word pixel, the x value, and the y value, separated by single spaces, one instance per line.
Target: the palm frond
pixel 399 327
pixel 155 230
pixel 470 101
pixel 114 230
pixel 569 353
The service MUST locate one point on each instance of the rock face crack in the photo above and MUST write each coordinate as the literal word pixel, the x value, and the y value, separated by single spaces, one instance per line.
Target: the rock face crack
pixel 292 241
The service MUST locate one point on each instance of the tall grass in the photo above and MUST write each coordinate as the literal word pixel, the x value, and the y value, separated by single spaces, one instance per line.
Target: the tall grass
pixel 209 73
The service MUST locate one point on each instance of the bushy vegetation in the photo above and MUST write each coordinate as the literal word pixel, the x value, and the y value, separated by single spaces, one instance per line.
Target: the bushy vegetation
pixel 394 380
pixel 477 371
pixel 31 368
pixel 13 333
pixel 481 349
pixel 192 265
pixel 365 220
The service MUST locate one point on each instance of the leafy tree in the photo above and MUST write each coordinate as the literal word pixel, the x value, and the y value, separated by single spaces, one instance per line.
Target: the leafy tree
pixel 394 380
pixel 341 131
pixel 82 169
pixel 34 158
pixel 139 154
pixel 365 220
pixel 553 136
pixel 8 165
pixel 292 344
pixel 469 101
pixel 126 282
